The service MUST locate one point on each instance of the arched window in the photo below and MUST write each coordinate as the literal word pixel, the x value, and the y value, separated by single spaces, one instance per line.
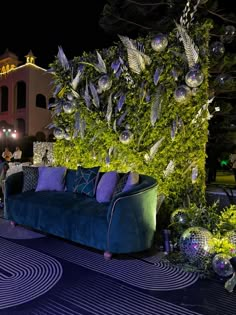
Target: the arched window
pixel 20 95
pixel 4 98
pixel 41 101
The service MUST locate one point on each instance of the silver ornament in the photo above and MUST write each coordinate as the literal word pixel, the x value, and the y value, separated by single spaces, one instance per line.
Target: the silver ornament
pixel 67 137
pixel 217 49
pixel 222 266
pixel 69 107
pixel 195 244
pixel 194 78
pixel 126 137
pixel 179 216
pixel 58 133
pixel 229 33
pixel 182 93
pixel 159 42
pixel 104 83
pixel 231 236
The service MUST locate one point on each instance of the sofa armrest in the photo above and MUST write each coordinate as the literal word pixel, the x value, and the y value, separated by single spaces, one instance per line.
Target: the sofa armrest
pixel 132 218
pixel 13 184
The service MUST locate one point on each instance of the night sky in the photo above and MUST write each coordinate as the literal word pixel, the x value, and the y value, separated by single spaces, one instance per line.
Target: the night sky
pixel 42 28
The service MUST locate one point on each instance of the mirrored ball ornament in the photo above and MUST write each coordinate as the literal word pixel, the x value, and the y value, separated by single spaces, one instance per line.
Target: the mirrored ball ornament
pixel 222 266
pixel 104 83
pixel 126 137
pixel 159 42
pixel 195 244
pixel 231 236
pixel 182 93
pixel 217 49
pixel 179 216
pixel 58 133
pixel 194 78
pixel 229 34
pixel 69 107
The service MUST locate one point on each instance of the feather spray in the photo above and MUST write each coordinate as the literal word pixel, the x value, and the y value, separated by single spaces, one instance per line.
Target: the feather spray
pixel 109 109
pixel 137 60
pixel 95 98
pixel 188 13
pixel 62 58
pixel 191 51
pixel 156 106
pixel 169 169
pixel 101 66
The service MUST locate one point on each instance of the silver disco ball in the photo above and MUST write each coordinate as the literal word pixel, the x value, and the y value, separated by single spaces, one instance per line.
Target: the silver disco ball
pixel 217 49
pixel 126 136
pixel 179 216
pixel 222 266
pixel 159 42
pixel 231 236
pixel 195 244
pixel 194 78
pixel 69 107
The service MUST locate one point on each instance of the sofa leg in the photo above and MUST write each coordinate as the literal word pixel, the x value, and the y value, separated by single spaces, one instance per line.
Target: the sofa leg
pixel 13 223
pixel 107 255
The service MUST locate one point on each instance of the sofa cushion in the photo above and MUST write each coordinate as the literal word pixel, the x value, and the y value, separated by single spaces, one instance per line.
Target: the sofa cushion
pixel 106 186
pixel 51 178
pixel 132 180
pixel 30 178
pixel 86 180
pixel 126 182
pixel 70 180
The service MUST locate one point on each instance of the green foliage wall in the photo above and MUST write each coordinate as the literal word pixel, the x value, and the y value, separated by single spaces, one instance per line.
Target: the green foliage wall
pixel 168 137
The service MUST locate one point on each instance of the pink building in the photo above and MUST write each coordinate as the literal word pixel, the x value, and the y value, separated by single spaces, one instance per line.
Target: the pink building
pixel 25 92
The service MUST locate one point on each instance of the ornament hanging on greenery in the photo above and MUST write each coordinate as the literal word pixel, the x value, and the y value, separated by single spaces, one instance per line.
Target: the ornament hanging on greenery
pixel 182 93
pixel 229 34
pixel 194 78
pixel 58 133
pixel 104 83
pixel 69 107
pixel 159 42
pixel 126 136
pixel 217 49
pixel 222 266
pixel 67 137
pixel 179 216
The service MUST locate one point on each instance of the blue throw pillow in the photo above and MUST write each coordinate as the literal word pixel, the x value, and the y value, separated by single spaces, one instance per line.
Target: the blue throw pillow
pixel 30 178
pixel 70 180
pixel 51 178
pixel 86 180
pixel 106 186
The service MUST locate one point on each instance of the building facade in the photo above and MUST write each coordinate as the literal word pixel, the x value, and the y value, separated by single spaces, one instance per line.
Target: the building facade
pixel 25 92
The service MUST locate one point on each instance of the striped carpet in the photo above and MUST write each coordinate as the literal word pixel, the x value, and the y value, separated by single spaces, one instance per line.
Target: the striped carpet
pixel 42 275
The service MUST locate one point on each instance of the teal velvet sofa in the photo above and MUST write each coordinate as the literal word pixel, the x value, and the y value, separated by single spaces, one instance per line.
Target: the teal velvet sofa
pixel 126 224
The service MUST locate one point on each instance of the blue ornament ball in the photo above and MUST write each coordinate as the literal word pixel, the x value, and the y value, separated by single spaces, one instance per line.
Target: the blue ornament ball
pixel 194 78
pixel 58 133
pixel 159 42
pixel 229 34
pixel 126 137
pixel 222 266
pixel 195 244
pixel 182 93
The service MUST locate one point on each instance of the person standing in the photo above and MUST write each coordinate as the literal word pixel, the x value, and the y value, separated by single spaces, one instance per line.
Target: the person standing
pixel 7 155
pixel 232 159
pixel 17 154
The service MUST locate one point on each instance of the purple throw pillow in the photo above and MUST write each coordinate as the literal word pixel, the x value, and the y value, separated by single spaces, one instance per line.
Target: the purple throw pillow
pixel 106 186
pixel 132 180
pixel 51 178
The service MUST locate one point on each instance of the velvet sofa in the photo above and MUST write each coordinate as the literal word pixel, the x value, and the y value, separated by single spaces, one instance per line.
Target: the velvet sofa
pixel 125 224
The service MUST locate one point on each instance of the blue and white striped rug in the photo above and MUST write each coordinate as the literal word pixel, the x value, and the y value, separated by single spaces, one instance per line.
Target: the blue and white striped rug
pixel 42 275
